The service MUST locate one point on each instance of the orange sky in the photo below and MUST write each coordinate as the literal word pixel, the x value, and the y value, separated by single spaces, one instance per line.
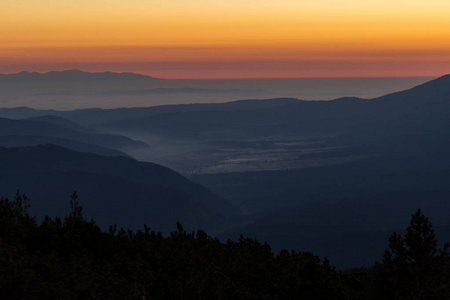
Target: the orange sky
pixel 223 39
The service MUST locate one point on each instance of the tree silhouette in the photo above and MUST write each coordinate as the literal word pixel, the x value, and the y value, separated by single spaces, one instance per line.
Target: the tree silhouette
pixel 76 208
pixel 414 267
pixel 72 258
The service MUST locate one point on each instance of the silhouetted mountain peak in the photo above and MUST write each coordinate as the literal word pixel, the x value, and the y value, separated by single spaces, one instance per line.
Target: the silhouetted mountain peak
pixel 443 81
pixel 444 77
pixel 434 91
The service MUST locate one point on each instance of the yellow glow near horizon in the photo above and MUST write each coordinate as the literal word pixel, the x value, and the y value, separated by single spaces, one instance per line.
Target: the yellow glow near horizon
pixel 283 29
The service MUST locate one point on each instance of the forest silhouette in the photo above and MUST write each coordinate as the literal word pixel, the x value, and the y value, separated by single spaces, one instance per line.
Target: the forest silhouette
pixel 73 258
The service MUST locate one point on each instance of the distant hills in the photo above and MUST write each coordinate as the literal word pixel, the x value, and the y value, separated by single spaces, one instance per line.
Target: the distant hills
pixel 54 128
pixel 74 75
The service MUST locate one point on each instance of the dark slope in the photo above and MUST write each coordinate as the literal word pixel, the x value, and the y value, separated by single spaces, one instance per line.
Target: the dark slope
pixel 117 189
pixel 415 121
pixel 347 232
pixel 130 169
pixel 343 212
pixel 34 140
pixel 39 128
pixel 263 191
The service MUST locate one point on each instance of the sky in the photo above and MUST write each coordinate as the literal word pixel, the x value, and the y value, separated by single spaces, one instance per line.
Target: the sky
pixel 228 39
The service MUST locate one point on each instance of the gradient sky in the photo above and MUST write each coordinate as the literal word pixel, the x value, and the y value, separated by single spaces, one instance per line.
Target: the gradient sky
pixel 228 39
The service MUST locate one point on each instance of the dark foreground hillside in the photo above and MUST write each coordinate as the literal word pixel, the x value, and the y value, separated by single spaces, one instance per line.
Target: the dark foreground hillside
pixel 72 258
pixel 115 189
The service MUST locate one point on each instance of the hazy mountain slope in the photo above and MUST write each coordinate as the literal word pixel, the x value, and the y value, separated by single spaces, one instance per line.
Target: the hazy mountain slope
pixel 24 112
pixel 130 191
pixel 53 119
pixel 40 128
pixel 28 141
pixel 100 116
pixel 300 118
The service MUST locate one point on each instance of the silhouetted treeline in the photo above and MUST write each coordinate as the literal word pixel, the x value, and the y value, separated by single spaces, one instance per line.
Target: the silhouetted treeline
pixel 73 258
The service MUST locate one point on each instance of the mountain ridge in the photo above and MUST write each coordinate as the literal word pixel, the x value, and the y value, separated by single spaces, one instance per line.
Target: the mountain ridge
pixel 75 75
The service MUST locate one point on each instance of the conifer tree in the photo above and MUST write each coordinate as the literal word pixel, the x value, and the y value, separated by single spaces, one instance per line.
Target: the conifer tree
pixel 414 267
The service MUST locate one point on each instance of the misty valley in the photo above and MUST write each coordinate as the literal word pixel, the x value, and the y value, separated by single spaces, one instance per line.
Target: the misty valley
pixel 335 178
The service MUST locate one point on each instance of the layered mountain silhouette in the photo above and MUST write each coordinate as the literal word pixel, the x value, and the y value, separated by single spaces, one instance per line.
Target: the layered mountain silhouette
pixel 413 120
pixel 400 143
pixel 33 140
pixel 24 112
pixel 59 131
pixel 407 121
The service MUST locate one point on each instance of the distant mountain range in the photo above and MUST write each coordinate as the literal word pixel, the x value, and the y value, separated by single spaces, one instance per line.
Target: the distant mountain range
pixel 418 117
pixel 74 75
pixel 75 89
pixel 413 120
pixel 423 108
